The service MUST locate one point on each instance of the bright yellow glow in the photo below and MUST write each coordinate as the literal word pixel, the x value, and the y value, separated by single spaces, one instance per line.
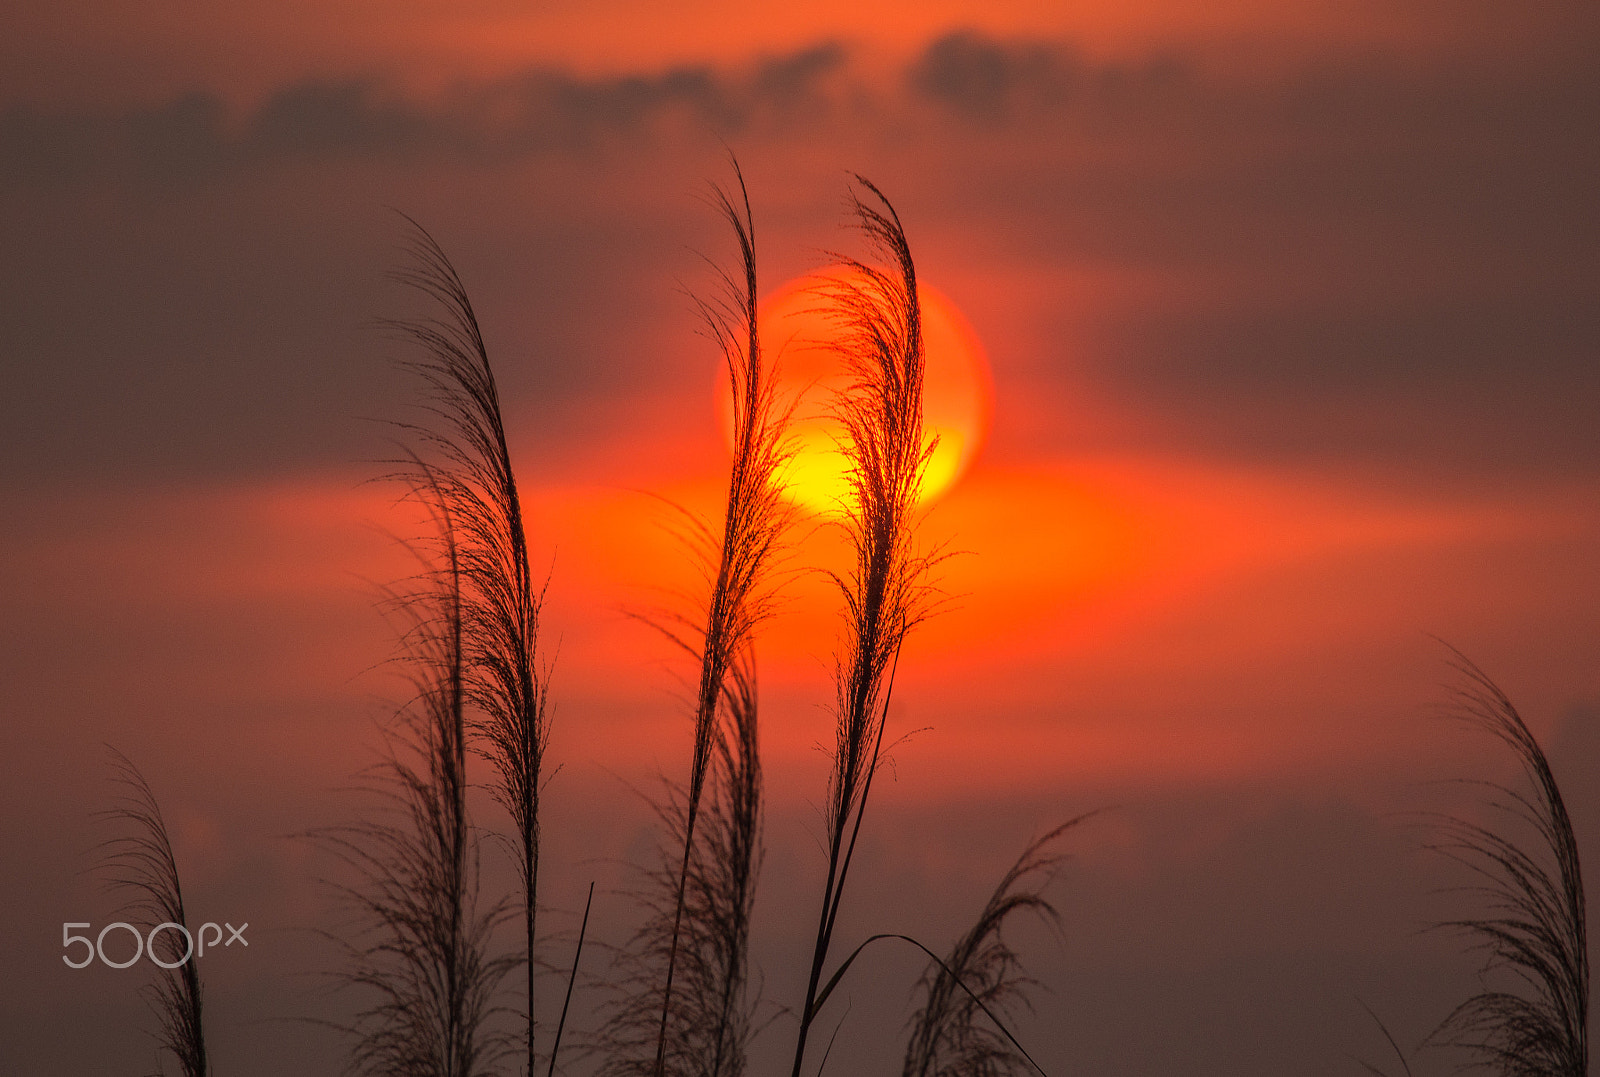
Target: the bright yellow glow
pixel 798 338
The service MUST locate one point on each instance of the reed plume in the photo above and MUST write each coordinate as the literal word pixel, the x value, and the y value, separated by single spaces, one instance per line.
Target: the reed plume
pixel 424 948
pixel 703 934
pixel 712 1016
pixel 752 529
pixel 886 592
pixel 955 1033
pixel 469 472
pixel 142 864
pixel 1535 929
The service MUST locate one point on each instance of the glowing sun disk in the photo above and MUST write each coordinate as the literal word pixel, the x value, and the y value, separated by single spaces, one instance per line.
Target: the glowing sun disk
pixel 800 339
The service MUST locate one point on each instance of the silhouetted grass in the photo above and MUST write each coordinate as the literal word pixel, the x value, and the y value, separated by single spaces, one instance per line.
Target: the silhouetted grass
pixel 1394 1047
pixel 468 471
pixel 572 979
pixel 752 530
pixel 141 862
pixel 955 1033
pixel 734 853
pixel 885 592
pixel 683 1002
pixel 712 1008
pixel 1535 931
pixel 697 924
pixel 423 951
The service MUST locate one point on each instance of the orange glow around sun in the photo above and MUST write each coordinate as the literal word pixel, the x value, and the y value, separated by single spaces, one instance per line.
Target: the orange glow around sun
pixel 798 338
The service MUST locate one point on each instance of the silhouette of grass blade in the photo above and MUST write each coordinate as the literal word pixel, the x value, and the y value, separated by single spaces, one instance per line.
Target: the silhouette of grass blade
pixel 141 863
pixel 572 978
pixel 1394 1047
pixel 1535 929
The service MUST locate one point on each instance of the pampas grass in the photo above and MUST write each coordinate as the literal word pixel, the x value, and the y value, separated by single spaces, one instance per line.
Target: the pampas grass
pixel 468 473
pixel 469 641
pixel 689 957
pixel 957 1032
pixel 422 954
pixel 712 1016
pixel 141 864
pixel 734 861
pixel 752 529
pixel 886 591
pixel 1534 934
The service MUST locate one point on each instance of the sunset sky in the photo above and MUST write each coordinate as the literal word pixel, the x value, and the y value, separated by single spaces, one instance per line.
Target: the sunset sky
pixel 1293 316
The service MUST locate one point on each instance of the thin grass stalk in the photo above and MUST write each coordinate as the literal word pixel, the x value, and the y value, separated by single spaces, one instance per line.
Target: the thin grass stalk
pixel 572 978
pixel 751 535
pixel 425 950
pixel 1394 1047
pixel 470 467
pixel 1536 930
pixel 886 592
pixel 141 863
pixel 983 975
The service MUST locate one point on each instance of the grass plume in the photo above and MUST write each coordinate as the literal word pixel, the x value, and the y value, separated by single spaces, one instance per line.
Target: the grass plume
pixel 141 863
pixel 696 928
pixel 423 951
pixel 470 474
pixel 955 1033
pixel 752 529
pixel 712 1017
pixel 886 592
pixel 1535 929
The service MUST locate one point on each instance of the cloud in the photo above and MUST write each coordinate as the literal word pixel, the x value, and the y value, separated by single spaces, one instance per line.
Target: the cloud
pixel 1499 383
pixel 1368 258
pixel 989 82
pixel 539 111
pixel 1333 257
pixel 984 80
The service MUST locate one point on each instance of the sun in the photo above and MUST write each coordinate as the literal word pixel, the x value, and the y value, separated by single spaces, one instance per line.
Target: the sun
pixel 956 396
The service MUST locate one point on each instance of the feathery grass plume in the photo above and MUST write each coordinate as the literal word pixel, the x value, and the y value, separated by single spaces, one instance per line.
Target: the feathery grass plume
pixel 1535 930
pixel 886 593
pixel 953 1033
pixel 752 532
pixel 712 1017
pixel 424 950
pixel 141 862
pixel 469 471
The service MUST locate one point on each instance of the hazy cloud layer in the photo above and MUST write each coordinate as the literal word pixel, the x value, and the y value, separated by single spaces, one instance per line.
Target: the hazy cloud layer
pixel 1336 259
pixel 193 138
